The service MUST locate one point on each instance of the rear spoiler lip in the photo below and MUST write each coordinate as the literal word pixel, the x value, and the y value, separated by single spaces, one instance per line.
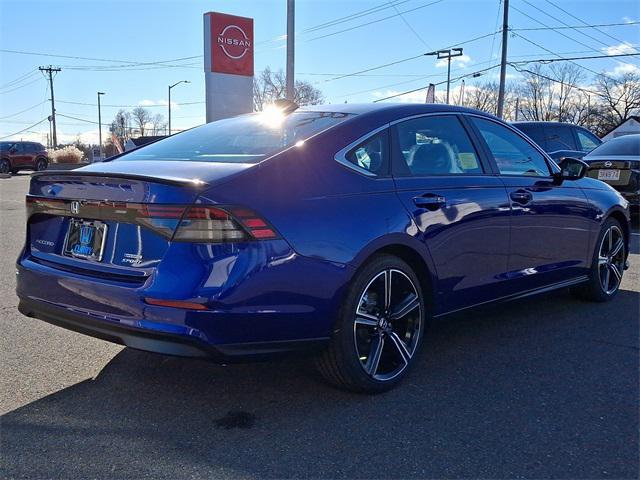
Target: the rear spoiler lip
pixel 131 176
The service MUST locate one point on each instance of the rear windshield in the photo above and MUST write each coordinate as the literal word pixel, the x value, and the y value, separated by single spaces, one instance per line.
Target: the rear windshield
pixel 627 145
pixel 244 139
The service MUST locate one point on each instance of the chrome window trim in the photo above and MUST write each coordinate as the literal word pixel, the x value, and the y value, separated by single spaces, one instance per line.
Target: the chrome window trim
pixel 341 156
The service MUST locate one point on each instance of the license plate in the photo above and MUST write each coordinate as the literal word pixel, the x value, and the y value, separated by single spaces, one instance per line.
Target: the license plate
pixel 608 175
pixel 85 239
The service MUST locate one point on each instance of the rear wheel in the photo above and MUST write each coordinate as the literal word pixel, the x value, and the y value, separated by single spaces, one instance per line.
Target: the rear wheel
pixel 41 164
pixel 607 266
pixel 379 330
pixel 5 166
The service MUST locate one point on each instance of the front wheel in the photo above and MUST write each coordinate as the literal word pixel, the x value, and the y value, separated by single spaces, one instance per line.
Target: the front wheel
pixel 379 330
pixel 607 266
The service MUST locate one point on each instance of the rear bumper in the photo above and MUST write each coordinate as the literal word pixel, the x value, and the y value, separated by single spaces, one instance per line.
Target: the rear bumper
pixel 160 342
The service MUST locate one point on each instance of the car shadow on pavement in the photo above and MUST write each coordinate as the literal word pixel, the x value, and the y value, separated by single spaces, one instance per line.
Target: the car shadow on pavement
pixel 544 387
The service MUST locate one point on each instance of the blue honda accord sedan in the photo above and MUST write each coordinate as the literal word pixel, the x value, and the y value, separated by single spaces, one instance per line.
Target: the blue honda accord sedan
pixel 340 230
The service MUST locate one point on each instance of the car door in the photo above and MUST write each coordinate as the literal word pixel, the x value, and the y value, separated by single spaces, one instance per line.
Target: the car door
pixel 19 156
pixel 458 209
pixel 550 222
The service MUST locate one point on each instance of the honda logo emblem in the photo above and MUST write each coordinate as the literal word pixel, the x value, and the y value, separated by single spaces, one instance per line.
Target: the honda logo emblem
pixel 608 164
pixel 75 207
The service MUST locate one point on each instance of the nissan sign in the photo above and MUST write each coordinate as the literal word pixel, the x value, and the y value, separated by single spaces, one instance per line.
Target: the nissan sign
pixel 232 49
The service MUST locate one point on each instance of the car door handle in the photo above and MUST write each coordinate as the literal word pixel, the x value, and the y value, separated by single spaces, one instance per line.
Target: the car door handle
pixel 520 196
pixel 430 201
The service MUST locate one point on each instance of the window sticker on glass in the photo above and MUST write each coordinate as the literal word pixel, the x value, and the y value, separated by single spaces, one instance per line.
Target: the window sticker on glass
pixel 467 161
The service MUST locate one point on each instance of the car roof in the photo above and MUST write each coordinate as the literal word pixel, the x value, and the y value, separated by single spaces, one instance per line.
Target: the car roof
pixel 533 122
pixel 390 108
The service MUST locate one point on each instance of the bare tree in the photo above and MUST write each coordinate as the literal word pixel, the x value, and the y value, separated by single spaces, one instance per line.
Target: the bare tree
pixel 141 117
pixel 536 95
pixel 270 86
pixel 568 76
pixel 158 124
pixel 620 97
pixel 121 126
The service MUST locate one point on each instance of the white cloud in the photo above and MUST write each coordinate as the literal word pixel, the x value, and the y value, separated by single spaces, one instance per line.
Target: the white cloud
pixel 625 68
pixel 158 103
pixel 626 19
pixel 461 61
pixel 620 49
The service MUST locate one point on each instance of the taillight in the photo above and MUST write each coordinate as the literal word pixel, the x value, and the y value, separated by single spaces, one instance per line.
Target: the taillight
pixel 214 225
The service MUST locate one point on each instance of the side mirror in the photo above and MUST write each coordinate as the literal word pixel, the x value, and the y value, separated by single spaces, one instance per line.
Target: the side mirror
pixel 571 169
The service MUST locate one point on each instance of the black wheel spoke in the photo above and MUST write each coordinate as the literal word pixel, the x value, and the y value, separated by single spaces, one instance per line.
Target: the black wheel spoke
pixel 408 305
pixel 373 359
pixel 401 347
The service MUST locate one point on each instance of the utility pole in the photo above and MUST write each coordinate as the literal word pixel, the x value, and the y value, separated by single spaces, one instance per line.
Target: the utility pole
pixel 448 55
pixel 100 125
pixel 291 14
pixel 503 61
pixel 517 107
pixel 50 70
pixel 170 87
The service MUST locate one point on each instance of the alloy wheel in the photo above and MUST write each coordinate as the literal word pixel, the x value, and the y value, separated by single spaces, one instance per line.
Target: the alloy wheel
pixel 41 165
pixel 388 322
pixel 611 257
pixel 5 167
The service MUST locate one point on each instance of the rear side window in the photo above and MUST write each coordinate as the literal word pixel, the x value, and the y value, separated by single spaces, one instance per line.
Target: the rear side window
pixel 559 137
pixel 512 153
pixel 435 145
pixel 371 155
pixel 587 140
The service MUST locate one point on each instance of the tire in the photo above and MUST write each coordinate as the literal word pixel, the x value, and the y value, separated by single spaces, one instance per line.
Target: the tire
pixel 376 336
pixel 607 266
pixel 5 166
pixel 41 164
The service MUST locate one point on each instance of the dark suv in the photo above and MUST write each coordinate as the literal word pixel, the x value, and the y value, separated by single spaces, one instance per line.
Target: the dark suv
pixel 560 140
pixel 16 156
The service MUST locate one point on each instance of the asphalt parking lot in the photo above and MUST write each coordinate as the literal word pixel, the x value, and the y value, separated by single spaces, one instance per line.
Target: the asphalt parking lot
pixel 541 388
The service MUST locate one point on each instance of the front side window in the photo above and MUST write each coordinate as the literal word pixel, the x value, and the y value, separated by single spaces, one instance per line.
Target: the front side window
pixel 435 145
pixel 587 141
pixel 371 155
pixel 512 153
pixel 245 139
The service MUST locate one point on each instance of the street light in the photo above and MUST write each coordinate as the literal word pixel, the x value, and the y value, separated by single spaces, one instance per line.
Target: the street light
pixel 448 55
pixel 100 126
pixel 170 87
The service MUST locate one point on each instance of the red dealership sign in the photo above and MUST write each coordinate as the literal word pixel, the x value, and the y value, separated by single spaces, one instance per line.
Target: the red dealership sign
pixel 231 44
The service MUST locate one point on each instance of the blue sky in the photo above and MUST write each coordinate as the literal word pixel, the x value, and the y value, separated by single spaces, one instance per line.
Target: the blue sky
pixel 151 31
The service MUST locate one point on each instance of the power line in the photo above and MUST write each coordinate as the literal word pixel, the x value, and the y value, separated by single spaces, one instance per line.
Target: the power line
pixel 375 21
pixel 353 16
pixel 22 111
pixel 564 59
pixel 524 70
pixel 558 32
pixel 127 106
pixel 576 27
pixel 585 23
pixel 24 129
pixel 77 118
pixel 439 83
pixel 21 86
pixel 30 73
pixel 564 23
pixel 131 62
pixel 404 20
pixel 378 67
